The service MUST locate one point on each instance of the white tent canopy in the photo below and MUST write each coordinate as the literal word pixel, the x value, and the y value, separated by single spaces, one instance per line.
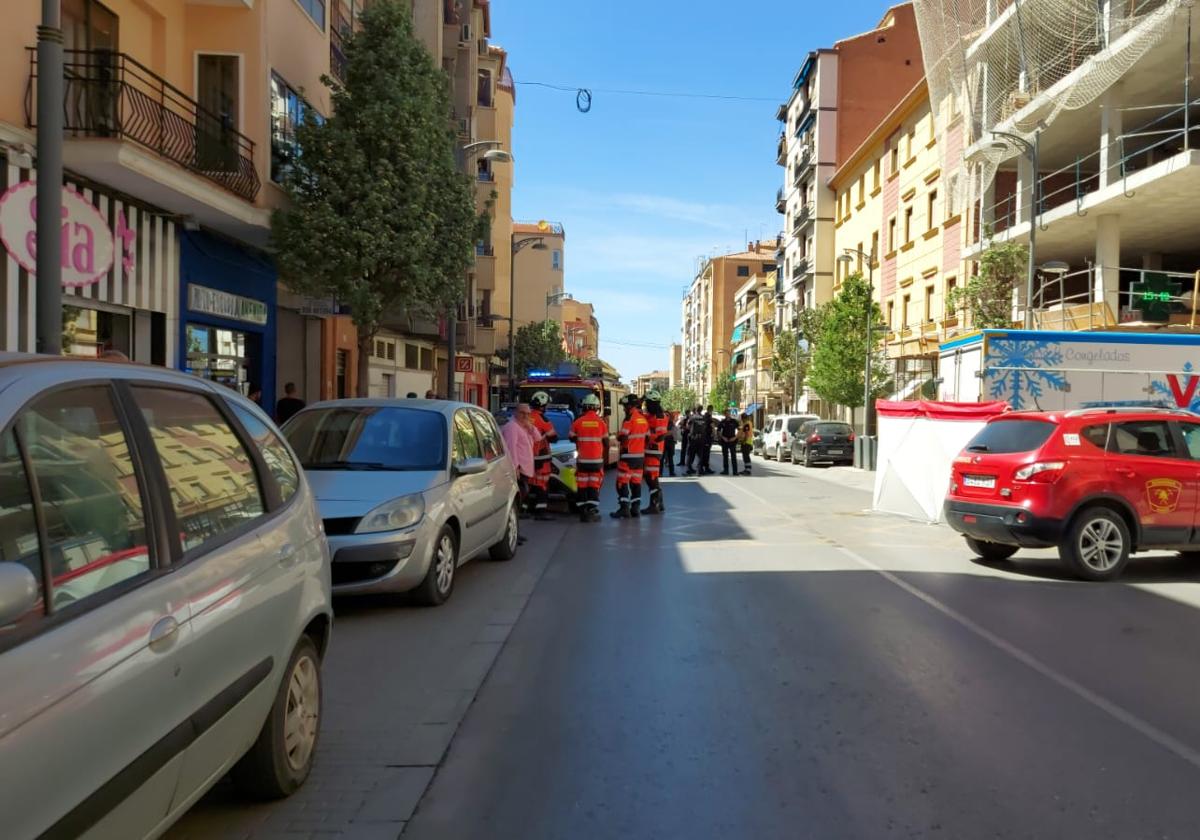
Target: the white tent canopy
pixel 918 442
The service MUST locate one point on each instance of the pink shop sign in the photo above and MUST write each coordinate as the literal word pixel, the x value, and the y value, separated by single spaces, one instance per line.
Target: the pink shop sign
pixel 86 244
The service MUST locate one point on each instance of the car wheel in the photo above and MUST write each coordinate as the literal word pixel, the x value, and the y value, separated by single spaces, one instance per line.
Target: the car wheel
pixel 991 552
pixel 506 549
pixel 282 757
pixel 1096 545
pixel 435 589
pixel 808 461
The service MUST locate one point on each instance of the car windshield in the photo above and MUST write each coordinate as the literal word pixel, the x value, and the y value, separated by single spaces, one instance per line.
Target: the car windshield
pixel 1006 436
pixel 369 438
pixel 833 429
pixel 794 423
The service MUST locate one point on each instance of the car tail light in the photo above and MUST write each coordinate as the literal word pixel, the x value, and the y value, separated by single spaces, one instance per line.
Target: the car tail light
pixel 1043 472
pixel 785 437
pixel 851 437
pixel 814 439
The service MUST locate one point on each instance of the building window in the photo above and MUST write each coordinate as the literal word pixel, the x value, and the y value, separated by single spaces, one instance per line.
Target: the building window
pixel 315 10
pixel 767 268
pixel 951 189
pixel 908 214
pixel 891 314
pixel 891 239
pixel 912 142
pixel 928 304
pixel 904 311
pixel 932 206
pixel 951 285
pixel 484 97
pixel 895 159
pixel 412 356
pixel 556 260
pixel 87 25
pixel 875 174
pixel 288 110
pixel 426 358
pixel 874 245
pixel 858 258
pixel 862 188
pixel 743 271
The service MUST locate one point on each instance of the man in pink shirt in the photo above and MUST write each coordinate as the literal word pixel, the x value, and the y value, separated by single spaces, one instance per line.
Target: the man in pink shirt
pixel 519 435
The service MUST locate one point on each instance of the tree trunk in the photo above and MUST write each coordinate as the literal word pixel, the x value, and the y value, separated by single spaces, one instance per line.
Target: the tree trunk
pixel 365 341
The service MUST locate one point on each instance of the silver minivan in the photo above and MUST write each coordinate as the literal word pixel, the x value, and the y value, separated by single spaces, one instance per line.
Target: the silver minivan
pixel 164 599
pixel 409 490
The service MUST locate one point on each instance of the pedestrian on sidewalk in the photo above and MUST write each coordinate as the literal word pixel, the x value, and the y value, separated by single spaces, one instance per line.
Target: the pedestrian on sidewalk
pixel 682 425
pixel 706 442
pixel 747 440
pixel 519 435
pixel 728 432
pixel 657 422
pixel 590 435
pixel 669 443
pixel 632 437
pixel 695 439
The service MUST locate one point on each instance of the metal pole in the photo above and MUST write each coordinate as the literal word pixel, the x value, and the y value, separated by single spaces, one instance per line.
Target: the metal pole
pixel 1033 213
pixel 1187 86
pixel 451 352
pixel 50 178
pixel 867 371
pixel 512 321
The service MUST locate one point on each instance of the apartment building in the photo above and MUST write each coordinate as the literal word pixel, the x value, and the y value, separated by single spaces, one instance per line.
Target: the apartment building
pixel 838 96
pixel 753 345
pixel 897 225
pixel 675 365
pixel 708 312
pixel 540 272
pixel 655 380
pixel 580 330
pixel 180 122
pixel 1077 127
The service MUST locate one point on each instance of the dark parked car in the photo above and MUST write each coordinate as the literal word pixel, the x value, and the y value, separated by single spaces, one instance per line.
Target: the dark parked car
pixel 823 442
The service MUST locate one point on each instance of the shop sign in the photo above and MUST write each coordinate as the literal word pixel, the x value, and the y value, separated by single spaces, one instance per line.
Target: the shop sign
pixel 464 364
pixel 86 244
pixel 226 305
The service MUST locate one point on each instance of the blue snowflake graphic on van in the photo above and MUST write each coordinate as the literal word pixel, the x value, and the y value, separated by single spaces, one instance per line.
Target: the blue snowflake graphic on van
pixel 1019 373
pixel 1179 391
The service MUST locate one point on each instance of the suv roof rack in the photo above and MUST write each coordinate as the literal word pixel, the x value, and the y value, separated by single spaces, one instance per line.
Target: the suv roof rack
pixel 1128 409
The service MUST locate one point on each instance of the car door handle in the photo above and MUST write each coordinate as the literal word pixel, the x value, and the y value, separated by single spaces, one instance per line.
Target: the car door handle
pixel 1127 473
pixel 163 633
pixel 287 554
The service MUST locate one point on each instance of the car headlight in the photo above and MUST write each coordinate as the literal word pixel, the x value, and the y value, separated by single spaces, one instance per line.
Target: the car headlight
pixel 394 515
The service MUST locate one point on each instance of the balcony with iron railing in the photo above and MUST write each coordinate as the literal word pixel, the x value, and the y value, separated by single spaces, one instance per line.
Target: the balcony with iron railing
pixel 111 95
pixel 781 200
pixel 781 150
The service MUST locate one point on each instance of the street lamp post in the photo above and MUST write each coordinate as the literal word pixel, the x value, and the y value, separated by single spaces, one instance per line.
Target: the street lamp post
pixel 1030 151
pixel 846 257
pixel 539 244
pixel 50 177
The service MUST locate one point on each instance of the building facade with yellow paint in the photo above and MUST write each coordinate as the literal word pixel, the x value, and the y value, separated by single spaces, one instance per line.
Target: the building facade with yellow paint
pixel 896 224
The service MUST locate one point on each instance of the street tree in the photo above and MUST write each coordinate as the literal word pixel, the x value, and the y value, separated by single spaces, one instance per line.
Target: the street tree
pixel 726 391
pixel 680 398
pixel 839 352
pixel 792 351
pixel 378 216
pixel 538 345
pixel 988 296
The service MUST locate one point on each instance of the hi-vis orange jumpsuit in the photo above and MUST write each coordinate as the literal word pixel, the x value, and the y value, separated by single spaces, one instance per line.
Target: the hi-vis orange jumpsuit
pixel 539 483
pixel 632 436
pixel 654 452
pixel 590 436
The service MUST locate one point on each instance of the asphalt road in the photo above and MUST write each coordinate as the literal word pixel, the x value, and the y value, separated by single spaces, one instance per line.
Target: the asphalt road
pixel 770 661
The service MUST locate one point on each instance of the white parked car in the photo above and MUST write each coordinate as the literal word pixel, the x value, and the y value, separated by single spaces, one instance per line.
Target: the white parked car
pixel 409 490
pixel 164 599
pixel 778 434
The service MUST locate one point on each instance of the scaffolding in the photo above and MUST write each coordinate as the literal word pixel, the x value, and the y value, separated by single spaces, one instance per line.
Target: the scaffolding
pixel 1015 65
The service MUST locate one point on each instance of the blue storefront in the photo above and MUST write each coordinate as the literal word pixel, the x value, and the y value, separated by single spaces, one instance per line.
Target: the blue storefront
pixel 227 319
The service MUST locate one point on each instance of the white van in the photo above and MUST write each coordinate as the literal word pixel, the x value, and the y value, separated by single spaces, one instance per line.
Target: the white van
pixel 778 434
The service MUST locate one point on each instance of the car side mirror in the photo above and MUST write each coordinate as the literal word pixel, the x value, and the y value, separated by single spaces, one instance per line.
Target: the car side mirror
pixel 18 592
pixel 470 466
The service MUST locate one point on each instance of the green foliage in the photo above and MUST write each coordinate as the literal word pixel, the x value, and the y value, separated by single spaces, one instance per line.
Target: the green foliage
pixel 725 390
pixel 839 352
pixel 537 345
pixel 680 398
pixel 379 216
pixel 988 296
pixel 793 350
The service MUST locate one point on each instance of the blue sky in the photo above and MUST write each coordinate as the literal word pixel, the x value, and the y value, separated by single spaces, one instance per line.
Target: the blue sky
pixel 646 185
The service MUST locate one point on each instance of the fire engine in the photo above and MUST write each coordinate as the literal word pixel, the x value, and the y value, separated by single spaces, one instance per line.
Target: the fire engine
pixel 567 388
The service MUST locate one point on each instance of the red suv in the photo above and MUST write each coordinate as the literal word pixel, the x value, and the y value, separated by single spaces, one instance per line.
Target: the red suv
pixel 1096 483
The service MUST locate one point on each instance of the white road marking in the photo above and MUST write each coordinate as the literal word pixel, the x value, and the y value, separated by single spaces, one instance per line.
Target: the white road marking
pixel 1114 710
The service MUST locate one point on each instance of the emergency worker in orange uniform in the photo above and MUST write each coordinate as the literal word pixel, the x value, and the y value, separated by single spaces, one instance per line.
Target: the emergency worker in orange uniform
pixel 657 420
pixel 632 437
pixel 539 484
pixel 590 435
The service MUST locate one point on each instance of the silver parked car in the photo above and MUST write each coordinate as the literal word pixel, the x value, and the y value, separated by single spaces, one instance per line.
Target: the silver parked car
pixel 409 490
pixel 164 599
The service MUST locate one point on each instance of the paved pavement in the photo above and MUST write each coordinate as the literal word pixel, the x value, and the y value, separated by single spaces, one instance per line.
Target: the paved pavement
pixel 768 660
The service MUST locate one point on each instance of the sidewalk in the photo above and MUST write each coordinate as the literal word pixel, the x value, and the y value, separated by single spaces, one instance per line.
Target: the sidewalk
pixel 398 682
